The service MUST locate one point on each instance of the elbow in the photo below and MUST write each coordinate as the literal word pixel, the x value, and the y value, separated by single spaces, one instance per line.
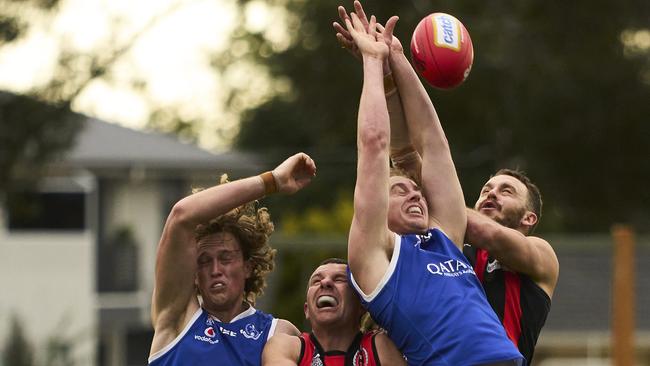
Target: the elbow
pixel 374 139
pixel 180 216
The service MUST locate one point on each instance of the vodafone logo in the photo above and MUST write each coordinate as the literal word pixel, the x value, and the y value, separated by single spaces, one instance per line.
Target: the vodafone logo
pixel 209 331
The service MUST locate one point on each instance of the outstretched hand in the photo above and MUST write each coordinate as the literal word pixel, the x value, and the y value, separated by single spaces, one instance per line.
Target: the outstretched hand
pixel 345 38
pixel 387 34
pixel 366 38
pixel 294 173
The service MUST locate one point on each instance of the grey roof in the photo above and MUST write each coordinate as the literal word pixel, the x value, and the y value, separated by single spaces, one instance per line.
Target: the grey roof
pixel 106 145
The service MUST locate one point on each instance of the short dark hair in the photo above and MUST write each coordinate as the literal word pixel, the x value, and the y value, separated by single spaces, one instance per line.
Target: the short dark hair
pixel 333 260
pixel 534 195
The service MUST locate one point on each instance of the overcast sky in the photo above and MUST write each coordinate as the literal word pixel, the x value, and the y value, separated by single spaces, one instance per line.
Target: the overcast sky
pixel 172 56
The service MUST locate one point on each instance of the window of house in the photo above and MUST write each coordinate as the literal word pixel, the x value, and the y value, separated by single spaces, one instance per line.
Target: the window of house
pixel 56 205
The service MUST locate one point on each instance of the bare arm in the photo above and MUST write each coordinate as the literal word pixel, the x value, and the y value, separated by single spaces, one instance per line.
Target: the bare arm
pixel 174 299
pixel 281 350
pixel 286 327
pixel 439 179
pixel 399 139
pixel 388 352
pixel 529 255
pixel 370 240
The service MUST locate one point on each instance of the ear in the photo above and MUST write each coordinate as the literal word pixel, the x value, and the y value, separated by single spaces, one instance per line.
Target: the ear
pixel 304 306
pixel 528 220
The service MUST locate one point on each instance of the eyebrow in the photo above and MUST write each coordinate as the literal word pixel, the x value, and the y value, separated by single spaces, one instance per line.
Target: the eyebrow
pixel 404 186
pixel 315 275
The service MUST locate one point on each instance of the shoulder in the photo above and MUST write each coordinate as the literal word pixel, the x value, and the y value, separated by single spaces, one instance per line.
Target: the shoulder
pixel 286 327
pixel 547 253
pixel 166 330
pixel 285 341
pixel 282 349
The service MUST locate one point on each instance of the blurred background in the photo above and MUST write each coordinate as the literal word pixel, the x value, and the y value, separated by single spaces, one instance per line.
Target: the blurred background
pixel 110 111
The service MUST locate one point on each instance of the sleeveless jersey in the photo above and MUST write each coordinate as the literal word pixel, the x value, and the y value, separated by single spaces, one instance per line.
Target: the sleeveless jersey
pixel 208 341
pixel 434 308
pixel 520 304
pixel 362 352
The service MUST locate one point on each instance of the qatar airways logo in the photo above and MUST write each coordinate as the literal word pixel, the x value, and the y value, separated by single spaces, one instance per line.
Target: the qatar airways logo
pixel 450 268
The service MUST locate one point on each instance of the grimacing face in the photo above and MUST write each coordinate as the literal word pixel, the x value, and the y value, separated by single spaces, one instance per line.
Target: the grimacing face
pixel 504 198
pixel 221 271
pixel 407 208
pixel 330 299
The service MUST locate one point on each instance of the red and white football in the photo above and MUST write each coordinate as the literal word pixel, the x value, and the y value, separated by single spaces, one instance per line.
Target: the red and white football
pixel 442 51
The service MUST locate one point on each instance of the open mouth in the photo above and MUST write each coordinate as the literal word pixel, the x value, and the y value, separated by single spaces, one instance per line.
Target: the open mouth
pixel 414 210
pixel 218 286
pixel 326 301
pixel 489 205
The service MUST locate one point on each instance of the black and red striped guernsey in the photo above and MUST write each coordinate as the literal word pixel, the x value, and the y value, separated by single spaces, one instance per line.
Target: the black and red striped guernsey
pixel 362 352
pixel 522 306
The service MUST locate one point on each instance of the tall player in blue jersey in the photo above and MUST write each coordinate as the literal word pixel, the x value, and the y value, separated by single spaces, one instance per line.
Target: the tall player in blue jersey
pixel 518 271
pixel 405 240
pixel 212 261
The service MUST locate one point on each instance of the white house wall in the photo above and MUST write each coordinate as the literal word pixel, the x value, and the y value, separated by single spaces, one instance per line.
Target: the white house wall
pixel 48 281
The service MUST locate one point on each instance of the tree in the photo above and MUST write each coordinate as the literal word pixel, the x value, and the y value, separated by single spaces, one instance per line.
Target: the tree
pixel 554 91
pixel 31 133
pixel 18 351
pixel 39 126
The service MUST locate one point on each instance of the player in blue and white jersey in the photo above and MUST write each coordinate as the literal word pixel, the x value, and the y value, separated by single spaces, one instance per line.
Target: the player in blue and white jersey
pixel 212 261
pixel 405 243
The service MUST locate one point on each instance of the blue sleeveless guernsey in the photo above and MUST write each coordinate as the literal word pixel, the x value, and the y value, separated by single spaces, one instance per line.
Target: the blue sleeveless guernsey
pixel 208 341
pixel 434 307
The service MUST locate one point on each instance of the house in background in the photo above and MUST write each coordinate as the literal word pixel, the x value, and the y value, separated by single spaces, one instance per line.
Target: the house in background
pixel 77 256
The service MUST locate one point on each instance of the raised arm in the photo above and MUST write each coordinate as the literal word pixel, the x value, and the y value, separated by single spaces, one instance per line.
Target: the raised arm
pixel 369 243
pixel 174 298
pixel 438 174
pixel 399 139
pixel 529 255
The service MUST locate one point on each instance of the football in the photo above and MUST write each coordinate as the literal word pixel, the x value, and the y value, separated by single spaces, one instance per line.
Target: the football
pixel 442 51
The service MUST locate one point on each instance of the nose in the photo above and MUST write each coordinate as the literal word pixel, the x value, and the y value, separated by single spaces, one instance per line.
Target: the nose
pixel 492 193
pixel 415 196
pixel 326 282
pixel 217 268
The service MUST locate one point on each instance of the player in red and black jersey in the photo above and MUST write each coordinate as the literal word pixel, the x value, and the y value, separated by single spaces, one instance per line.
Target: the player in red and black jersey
pixel 362 351
pixel 518 271
pixel 335 313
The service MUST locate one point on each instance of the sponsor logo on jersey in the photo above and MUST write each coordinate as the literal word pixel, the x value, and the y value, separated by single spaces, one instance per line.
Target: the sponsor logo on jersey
pixel 227 332
pixel 360 358
pixel 205 339
pixel 450 268
pixel 250 332
pixel 446 32
pixel 316 361
pixel 209 331
pixel 493 266
pixel 210 320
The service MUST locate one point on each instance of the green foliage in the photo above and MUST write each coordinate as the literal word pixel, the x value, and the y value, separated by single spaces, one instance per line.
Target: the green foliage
pixel 552 92
pixel 319 221
pixel 31 133
pixel 18 351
